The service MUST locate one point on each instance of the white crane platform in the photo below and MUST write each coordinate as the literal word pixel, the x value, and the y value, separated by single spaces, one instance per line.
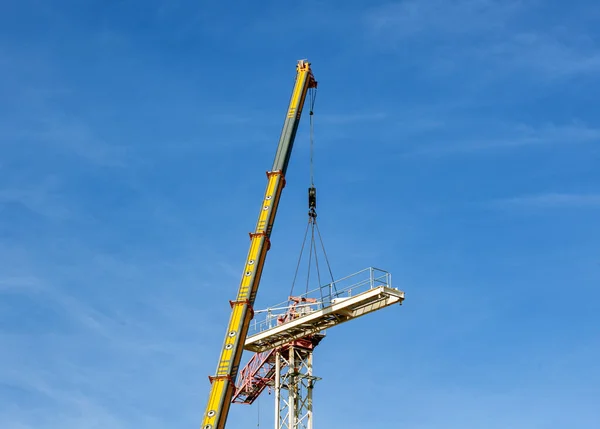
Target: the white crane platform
pixel 370 290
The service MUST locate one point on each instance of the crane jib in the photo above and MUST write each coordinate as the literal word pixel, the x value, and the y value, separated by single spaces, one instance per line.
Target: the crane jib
pixel 304 81
pixel 223 383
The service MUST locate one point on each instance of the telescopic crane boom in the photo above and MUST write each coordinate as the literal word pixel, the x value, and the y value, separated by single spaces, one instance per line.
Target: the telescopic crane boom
pixel 223 383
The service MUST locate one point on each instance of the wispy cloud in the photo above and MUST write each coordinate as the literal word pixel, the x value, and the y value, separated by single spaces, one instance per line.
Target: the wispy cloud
pixel 74 369
pixel 439 19
pixel 488 34
pixel 549 200
pixel 351 118
pixel 40 116
pixel 513 136
pixel 66 134
pixel 19 283
pixel 43 198
pixel 552 56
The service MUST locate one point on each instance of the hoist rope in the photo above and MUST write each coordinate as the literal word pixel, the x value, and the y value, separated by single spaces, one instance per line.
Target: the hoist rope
pixel 312 220
pixel 313 96
pixel 326 258
pixel 299 259
pixel 317 263
pixel 312 243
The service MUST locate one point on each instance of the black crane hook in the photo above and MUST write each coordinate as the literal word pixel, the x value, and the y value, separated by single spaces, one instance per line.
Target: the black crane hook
pixel 312 202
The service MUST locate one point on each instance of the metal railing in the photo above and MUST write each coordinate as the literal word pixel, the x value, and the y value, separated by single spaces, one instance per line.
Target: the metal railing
pixel 325 296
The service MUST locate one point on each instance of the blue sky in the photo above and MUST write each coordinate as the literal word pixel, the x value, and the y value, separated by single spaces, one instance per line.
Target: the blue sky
pixel 457 146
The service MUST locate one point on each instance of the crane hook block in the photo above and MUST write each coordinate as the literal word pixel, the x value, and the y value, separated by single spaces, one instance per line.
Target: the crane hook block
pixel 312 197
pixel 312 201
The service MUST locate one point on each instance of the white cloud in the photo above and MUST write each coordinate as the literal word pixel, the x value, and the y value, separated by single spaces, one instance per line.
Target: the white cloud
pixel 117 348
pixel 37 118
pixel 549 55
pixel 439 18
pixel 42 198
pixel 350 118
pixel 512 137
pixel 72 135
pixel 550 200
pixel 494 37
pixel 19 284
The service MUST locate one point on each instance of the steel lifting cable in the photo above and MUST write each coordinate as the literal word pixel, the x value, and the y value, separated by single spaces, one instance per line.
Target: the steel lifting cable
pixel 312 219
pixel 299 259
pixel 313 96
pixel 317 262
pixel 326 258
pixel 310 253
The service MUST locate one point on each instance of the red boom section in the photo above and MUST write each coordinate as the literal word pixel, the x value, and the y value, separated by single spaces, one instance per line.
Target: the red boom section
pixel 258 373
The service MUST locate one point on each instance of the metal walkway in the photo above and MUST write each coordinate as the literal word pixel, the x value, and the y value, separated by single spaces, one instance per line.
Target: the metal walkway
pixel 369 290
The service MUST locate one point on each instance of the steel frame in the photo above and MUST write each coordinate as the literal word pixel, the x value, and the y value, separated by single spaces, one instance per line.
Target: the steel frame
pixel 284 341
pixel 294 383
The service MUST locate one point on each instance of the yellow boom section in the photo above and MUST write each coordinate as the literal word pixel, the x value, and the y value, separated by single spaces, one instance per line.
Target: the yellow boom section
pixel 223 383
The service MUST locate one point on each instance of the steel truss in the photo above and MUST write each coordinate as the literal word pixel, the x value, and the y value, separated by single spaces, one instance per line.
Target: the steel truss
pixel 284 340
pixel 294 384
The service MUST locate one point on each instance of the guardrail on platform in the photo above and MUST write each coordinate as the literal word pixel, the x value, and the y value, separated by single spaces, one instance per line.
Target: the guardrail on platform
pixel 325 296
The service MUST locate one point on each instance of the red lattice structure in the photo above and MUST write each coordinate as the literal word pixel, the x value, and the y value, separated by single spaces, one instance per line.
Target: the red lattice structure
pixel 259 372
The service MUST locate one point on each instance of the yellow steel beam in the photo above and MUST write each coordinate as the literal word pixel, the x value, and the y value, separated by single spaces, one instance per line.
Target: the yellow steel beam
pixel 223 383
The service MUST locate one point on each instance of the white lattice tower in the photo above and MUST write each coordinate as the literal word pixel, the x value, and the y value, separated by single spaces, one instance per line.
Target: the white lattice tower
pixel 294 383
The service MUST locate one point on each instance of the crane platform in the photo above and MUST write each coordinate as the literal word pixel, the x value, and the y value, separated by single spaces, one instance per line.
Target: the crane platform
pixel 332 304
